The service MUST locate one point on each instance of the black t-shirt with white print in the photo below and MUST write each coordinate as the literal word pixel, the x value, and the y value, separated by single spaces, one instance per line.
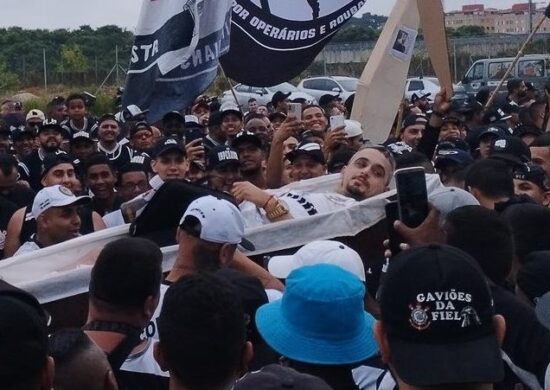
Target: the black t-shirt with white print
pixel 119 156
pixel 90 126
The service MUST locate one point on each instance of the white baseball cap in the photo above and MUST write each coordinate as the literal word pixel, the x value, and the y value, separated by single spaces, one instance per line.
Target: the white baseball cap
pixel 55 196
pixel 220 221
pixel 446 199
pixel 352 128
pixel 317 252
pixel 35 114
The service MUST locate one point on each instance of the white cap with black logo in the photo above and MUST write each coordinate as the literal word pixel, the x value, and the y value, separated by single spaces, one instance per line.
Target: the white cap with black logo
pixel 55 196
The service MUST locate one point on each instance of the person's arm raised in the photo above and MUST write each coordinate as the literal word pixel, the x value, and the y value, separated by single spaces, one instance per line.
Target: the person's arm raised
pixel 275 164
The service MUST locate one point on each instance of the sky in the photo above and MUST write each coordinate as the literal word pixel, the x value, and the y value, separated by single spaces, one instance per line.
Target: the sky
pixel 52 14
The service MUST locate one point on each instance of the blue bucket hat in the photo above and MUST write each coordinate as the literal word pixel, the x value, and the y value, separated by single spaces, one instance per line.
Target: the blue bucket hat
pixel 320 319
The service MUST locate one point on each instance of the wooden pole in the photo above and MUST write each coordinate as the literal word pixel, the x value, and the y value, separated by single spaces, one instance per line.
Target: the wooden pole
pixel 230 87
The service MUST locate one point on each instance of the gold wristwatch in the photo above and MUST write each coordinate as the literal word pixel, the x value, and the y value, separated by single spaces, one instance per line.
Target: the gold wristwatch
pixel 276 209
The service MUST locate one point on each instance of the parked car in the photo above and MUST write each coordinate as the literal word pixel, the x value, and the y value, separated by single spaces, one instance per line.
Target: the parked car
pixel 534 68
pixel 421 86
pixel 263 95
pixel 319 86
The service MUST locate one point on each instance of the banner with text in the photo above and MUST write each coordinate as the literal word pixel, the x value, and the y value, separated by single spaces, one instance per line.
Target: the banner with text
pixel 272 41
pixel 175 53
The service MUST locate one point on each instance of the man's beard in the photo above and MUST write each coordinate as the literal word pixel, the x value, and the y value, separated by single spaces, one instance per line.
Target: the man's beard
pixel 50 148
pixel 354 193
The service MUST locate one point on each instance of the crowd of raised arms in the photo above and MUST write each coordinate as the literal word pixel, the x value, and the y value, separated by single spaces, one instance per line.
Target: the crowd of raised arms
pixel 465 304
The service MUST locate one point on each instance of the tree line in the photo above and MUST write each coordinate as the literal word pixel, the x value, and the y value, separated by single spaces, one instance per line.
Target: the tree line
pixel 80 56
pixel 85 56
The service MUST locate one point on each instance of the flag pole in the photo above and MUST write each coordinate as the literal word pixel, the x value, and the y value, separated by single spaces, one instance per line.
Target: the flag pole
pixel 230 87
pixel 520 53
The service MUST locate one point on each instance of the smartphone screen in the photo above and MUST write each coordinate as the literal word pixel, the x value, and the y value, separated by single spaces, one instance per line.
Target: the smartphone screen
pixel 295 110
pixel 412 195
pixel 193 134
pixel 392 215
pixel 336 121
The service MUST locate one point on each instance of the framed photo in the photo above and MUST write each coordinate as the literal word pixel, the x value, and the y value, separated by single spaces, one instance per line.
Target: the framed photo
pixel 403 43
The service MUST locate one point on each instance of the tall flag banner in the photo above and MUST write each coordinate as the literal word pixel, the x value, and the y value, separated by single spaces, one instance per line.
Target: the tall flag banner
pixel 175 53
pixel 432 21
pixel 386 71
pixel 272 41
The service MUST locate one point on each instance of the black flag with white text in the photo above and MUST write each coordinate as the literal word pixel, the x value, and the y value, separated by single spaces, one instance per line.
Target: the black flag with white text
pixel 175 53
pixel 272 41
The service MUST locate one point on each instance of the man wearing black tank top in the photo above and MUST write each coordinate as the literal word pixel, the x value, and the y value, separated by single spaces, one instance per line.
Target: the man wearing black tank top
pixel 55 210
pixel 57 169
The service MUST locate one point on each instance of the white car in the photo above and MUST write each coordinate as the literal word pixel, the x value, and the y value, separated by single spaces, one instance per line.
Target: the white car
pixel 334 85
pixel 263 95
pixel 421 86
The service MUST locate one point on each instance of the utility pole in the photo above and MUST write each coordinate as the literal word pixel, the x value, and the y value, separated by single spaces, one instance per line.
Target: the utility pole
pixel 45 72
pixel 530 16
pixel 116 64
pixel 454 62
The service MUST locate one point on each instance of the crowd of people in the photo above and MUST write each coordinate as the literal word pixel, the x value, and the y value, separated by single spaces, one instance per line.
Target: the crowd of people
pixel 465 304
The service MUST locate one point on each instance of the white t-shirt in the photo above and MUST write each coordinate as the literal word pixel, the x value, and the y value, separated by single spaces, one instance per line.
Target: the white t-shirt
pixel 300 205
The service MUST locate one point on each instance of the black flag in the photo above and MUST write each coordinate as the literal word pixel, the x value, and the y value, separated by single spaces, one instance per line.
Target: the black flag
pixel 272 41
pixel 175 53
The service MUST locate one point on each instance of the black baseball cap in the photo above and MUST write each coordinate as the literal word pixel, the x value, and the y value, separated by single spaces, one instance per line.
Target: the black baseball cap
pixel 437 310
pixel 275 377
pixel 23 335
pixel 453 143
pixel 50 124
pixel 453 119
pixel 455 155
pixel 495 131
pixel 496 115
pixel 105 117
pixel 53 159
pixel 81 136
pixel 310 149
pixel 469 105
pixel 220 156
pixel 328 98
pixel 510 149
pixel 167 144
pixel 414 119
pixel 20 132
pixel 279 97
pixel 532 173
pixel 142 125
pixel 415 97
pixel 247 136
pixel 173 115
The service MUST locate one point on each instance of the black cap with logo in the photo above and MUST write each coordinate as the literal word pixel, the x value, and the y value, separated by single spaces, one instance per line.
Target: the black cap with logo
pixel 511 150
pixel 437 310
pixel 167 144
pixel 220 156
